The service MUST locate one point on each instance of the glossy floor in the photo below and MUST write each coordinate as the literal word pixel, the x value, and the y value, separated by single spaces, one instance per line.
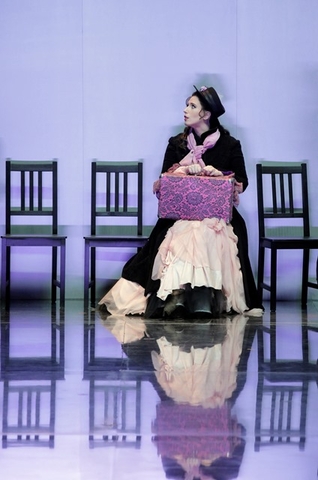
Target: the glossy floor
pixel 86 397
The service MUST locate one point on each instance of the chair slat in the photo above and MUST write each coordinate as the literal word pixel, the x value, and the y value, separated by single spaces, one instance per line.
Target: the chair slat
pixel 125 188
pixel 40 191
pixel 108 182
pixel 291 193
pixel 274 195
pixel 31 191
pixel 116 191
pixel 22 191
pixel 282 193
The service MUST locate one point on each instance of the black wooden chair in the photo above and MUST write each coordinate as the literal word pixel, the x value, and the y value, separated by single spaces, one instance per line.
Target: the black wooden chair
pixel 31 196
pixel 116 191
pixel 282 193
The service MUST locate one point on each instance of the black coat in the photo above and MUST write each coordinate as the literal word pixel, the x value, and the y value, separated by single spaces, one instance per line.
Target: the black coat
pixel 226 155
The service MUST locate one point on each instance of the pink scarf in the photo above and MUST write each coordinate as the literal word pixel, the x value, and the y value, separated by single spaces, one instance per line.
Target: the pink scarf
pixel 198 150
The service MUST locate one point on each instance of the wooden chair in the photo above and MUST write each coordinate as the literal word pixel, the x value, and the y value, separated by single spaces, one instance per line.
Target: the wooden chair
pixel 281 202
pixel 31 192
pixel 116 191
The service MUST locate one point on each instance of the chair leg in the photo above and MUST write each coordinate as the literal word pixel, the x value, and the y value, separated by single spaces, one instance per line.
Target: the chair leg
pixel 5 272
pixel 304 292
pixel 303 414
pixel 54 274
pixel 86 273
pixel 260 275
pixel 273 286
pixel 4 269
pixel 89 272
pixel 93 275
pixel 62 274
pixel 272 338
pixel 258 416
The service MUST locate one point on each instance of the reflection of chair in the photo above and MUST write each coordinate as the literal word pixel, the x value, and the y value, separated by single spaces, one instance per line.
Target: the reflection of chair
pixel 93 363
pixel 34 406
pixel 277 420
pixel 115 384
pixel 115 412
pixel 282 391
pixel 114 396
pixel 53 361
pixel 29 386
pixel 279 188
pixel 116 192
pixel 31 193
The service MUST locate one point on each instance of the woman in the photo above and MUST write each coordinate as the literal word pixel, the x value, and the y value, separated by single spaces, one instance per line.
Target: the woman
pixel 166 278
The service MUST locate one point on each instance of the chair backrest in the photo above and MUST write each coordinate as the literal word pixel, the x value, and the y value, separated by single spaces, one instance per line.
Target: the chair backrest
pixel 116 191
pixel 28 414
pixel 282 194
pixel 31 191
pixel 281 414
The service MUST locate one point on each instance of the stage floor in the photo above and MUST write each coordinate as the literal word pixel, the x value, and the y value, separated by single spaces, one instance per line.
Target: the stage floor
pixel 102 398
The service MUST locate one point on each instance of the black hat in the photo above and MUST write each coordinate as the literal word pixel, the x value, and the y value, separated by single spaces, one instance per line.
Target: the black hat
pixel 210 100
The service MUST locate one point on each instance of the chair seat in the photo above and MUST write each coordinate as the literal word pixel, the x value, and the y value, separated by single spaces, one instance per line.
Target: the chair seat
pixel 290 243
pixel 33 240
pixel 21 236
pixel 116 240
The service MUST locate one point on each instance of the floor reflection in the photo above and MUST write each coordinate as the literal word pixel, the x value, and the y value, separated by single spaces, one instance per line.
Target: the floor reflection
pixel 124 397
pixel 29 382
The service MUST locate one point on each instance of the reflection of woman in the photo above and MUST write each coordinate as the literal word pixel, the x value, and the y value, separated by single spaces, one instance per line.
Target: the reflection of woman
pixel 199 268
pixel 197 443
pixel 195 432
pixel 197 437
pixel 201 376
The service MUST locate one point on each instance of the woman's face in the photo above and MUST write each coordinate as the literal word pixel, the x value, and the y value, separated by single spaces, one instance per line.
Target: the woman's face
pixel 194 115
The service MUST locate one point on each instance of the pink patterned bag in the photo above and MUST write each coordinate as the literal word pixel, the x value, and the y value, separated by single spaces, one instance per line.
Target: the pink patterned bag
pixel 192 197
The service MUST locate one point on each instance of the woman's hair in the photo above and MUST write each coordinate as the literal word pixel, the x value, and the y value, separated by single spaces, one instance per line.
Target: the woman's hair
pixel 214 121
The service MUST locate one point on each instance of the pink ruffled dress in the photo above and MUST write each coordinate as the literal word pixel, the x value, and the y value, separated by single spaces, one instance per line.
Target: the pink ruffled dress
pixel 201 253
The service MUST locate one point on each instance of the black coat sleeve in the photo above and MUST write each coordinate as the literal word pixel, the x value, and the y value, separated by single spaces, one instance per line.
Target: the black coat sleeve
pixel 238 164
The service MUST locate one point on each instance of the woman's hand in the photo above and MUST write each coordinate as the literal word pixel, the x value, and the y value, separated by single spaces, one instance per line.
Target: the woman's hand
pixel 194 169
pixel 156 186
pixel 212 172
pixel 238 188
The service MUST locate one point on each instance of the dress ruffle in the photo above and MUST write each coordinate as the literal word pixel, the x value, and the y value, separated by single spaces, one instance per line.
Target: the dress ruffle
pixel 201 253
pixel 125 298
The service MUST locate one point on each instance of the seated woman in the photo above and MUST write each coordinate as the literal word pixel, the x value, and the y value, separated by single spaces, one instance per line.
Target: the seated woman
pixel 191 268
